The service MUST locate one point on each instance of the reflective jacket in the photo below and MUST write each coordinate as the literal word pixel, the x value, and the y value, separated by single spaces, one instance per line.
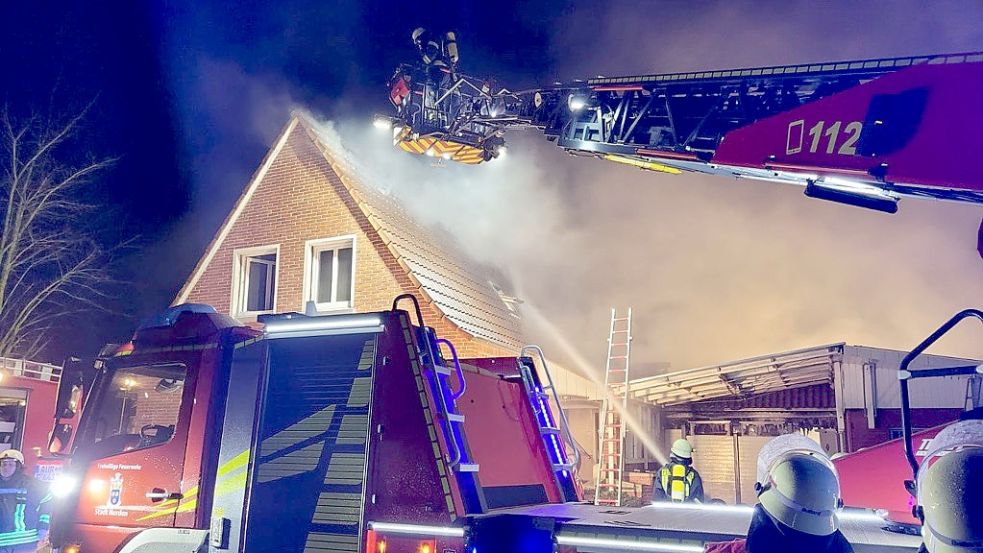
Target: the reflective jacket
pixel 24 504
pixel 680 482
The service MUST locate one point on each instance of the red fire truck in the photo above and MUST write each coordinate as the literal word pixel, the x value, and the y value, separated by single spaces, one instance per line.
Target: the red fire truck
pixel 27 400
pixel 359 432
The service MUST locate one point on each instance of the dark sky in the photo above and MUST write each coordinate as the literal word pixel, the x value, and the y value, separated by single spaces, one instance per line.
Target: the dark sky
pixel 189 94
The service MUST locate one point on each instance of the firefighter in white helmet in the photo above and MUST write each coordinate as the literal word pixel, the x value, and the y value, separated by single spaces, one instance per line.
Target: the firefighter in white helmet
pixel 950 490
pixel 798 499
pixel 23 506
pixel 677 480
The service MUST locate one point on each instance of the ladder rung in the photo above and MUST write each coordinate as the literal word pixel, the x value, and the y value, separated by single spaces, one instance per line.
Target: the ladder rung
pixel 454 417
pixel 467 467
pixel 616 319
pixel 562 466
pixel 442 370
pixel 550 429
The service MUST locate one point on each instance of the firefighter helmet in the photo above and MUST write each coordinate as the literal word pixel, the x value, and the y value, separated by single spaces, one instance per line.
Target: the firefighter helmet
pixel 417 33
pixel 12 454
pixel 682 448
pixel 797 484
pixel 950 492
pixel 803 493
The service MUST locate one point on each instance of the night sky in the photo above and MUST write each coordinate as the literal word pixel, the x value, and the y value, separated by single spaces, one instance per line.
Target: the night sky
pixel 189 95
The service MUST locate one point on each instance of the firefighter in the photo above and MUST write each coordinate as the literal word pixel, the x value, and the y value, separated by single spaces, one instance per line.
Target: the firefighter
pixel 950 491
pixel 798 496
pixel 23 506
pixel 677 480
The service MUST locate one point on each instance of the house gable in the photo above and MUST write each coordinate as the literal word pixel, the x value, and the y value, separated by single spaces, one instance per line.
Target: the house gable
pixel 302 193
pixel 296 197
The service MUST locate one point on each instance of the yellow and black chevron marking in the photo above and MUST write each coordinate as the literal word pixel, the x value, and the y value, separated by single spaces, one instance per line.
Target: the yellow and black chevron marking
pixel 447 149
pixel 231 476
pixel 431 430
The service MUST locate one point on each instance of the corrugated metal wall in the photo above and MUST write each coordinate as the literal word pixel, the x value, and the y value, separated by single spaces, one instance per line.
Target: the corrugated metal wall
pixel 946 392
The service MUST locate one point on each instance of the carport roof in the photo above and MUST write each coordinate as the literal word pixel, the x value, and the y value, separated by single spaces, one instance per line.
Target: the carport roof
pixel 766 373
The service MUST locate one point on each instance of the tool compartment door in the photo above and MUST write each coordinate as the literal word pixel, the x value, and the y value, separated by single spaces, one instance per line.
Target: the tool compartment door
pixel 308 477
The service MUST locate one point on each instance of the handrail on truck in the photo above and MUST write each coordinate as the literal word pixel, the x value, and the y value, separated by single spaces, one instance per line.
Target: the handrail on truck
pixel 457 366
pixel 905 374
pixel 556 399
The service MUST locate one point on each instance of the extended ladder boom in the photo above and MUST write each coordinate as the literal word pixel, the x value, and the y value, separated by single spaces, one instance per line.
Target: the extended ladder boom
pixel 860 132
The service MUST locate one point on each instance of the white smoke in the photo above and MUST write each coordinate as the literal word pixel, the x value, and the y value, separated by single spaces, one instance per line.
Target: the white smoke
pixel 716 269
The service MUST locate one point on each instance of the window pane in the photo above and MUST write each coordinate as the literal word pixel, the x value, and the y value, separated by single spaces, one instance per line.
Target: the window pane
pixel 13 404
pixel 345 275
pixel 139 407
pixel 325 261
pixel 257 298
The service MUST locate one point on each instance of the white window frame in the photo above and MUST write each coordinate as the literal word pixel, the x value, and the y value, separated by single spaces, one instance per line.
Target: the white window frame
pixel 239 274
pixel 311 249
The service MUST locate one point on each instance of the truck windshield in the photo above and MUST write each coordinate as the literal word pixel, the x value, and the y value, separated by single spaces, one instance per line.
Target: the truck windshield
pixel 137 407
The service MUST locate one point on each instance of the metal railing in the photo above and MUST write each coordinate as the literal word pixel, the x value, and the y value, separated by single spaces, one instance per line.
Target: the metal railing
pixel 869 65
pixel 30 369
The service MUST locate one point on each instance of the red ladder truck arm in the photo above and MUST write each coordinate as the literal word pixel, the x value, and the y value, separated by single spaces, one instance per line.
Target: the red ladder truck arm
pixel 864 132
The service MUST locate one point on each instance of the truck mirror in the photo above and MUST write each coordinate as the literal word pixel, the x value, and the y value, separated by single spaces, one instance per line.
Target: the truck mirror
pixel 70 388
pixel 61 436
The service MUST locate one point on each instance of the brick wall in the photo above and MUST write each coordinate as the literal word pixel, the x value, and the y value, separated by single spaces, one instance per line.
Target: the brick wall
pixel 156 408
pixel 859 435
pixel 302 198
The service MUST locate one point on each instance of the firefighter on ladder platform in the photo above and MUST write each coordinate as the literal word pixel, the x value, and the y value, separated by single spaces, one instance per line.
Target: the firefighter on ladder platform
pixel 24 505
pixel 798 497
pixel 677 480
pixel 950 491
pixel 439 57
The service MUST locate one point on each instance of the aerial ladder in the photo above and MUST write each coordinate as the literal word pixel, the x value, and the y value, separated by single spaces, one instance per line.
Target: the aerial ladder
pixel 864 132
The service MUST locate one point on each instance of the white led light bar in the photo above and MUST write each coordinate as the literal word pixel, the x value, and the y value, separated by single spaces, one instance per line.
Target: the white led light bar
pixel 417 530
pixel 851 515
pixel 368 323
pixel 704 507
pixel 860 516
pixel 627 545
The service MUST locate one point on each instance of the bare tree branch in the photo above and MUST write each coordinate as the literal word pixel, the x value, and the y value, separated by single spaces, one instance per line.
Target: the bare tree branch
pixel 49 268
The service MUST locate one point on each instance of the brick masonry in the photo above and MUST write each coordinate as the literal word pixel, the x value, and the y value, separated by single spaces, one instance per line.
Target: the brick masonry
pixel 301 198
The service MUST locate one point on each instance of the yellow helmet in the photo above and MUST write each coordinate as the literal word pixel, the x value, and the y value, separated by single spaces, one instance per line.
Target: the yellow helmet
pixel 12 454
pixel 682 448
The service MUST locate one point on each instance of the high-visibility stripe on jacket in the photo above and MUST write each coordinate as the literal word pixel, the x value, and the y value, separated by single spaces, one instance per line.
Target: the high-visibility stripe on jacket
pixel 24 504
pixel 677 481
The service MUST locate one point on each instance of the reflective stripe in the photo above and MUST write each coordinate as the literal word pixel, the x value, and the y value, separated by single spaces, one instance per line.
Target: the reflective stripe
pixel 18 538
pixel 12 490
pixel 44 518
pixel 19 518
